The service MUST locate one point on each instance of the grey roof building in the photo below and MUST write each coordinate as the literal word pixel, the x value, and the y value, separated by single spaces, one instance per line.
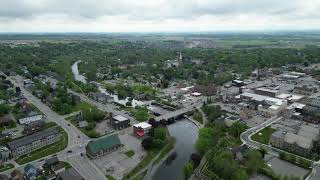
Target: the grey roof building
pixel 70 174
pixel 34 141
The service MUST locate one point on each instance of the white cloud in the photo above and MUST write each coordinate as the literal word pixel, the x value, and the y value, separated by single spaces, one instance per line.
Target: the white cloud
pixel 157 15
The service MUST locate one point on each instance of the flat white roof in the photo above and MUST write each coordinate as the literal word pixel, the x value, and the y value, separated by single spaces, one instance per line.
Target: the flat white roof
pixel 289 96
pixel 257 97
pixel 143 125
pixel 296 105
pixel 120 118
pixel 267 90
pixel 196 94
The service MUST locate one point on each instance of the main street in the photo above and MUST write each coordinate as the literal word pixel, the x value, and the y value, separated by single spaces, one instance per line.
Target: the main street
pixel 75 137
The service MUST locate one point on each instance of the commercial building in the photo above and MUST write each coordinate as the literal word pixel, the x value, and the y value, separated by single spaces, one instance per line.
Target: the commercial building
pixel 265 105
pixel 267 92
pixel 103 146
pixel 305 90
pixel 303 142
pixel 34 141
pixel 119 122
pixel 141 129
pixel 31 118
pixel 311 111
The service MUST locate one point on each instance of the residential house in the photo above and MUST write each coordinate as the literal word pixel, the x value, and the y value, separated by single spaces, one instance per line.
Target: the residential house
pixel 100 97
pixel 58 167
pixel 33 127
pixel 30 171
pixel 69 174
pixel 4 153
pixel 27 144
pixel 16 175
pixel 103 146
pixel 6 120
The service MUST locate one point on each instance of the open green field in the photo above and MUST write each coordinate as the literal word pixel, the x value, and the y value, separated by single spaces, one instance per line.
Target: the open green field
pixel 5 167
pixel 265 135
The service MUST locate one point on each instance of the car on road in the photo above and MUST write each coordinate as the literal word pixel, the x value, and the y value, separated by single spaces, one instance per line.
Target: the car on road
pixel 70 151
pixel 81 154
pixel 68 124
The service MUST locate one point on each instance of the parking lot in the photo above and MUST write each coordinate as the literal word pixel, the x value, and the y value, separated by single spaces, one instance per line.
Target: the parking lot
pixel 118 163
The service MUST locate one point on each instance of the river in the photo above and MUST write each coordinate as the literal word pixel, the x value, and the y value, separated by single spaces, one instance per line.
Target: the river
pixel 76 74
pixel 81 78
pixel 186 134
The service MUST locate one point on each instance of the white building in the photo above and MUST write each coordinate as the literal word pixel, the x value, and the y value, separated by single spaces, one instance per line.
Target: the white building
pixel 30 119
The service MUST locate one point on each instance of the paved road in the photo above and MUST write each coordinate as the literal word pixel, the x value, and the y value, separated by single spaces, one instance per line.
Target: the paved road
pixel 75 138
pixel 178 112
pixel 246 136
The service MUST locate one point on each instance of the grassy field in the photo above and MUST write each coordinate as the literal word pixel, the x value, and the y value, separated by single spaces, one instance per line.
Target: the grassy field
pixel 46 151
pixel 6 167
pixel 265 135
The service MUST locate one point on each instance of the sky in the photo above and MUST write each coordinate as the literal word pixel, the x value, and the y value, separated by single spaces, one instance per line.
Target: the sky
pixel 158 15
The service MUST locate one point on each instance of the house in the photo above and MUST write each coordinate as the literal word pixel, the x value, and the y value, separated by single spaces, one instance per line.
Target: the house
pixel 58 167
pixel 3 177
pixel 141 129
pixel 69 174
pixel 6 120
pixel 33 127
pixel 103 146
pixel 119 122
pixel 51 161
pixel 16 175
pixel 4 153
pixel 30 171
pixel 27 144
pixel 83 124
pixel 100 97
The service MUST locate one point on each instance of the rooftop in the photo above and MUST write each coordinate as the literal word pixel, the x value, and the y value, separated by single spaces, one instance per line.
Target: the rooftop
pixel 33 137
pixel 120 118
pixel 104 143
pixel 143 125
pixel 70 174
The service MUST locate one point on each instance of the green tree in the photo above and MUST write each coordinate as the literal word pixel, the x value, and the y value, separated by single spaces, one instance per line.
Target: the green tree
pixel 187 170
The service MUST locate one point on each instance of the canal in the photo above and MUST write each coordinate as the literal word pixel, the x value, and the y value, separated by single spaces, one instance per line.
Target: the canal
pixel 186 134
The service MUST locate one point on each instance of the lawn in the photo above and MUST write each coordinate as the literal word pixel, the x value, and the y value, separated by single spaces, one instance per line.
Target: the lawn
pixel 45 151
pixel 198 117
pixel 81 106
pixel 130 153
pixel 6 167
pixel 264 136
pixel 90 133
